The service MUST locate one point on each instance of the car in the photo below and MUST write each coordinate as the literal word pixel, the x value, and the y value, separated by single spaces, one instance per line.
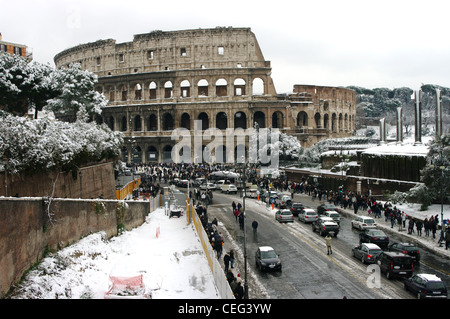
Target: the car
pixel 308 215
pixel 367 252
pixel 375 236
pixel 219 183
pixel 267 259
pixel 334 215
pixel 406 248
pixel 325 225
pixel 395 264
pixel 230 188
pixel 324 207
pixel 363 222
pixel 252 193
pixel 426 286
pixel 208 185
pixel 199 182
pixel 284 216
pixel 283 201
pixel 296 208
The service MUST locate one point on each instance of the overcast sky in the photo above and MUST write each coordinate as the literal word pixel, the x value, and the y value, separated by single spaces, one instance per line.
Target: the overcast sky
pixel 370 44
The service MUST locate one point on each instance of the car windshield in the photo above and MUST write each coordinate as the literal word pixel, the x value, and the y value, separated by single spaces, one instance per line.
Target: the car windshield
pixel 402 261
pixel 310 213
pixel 409 248
pixel 286 213
pixel 375 251
pixel 268 254
pixel 369 221
pixel 334 215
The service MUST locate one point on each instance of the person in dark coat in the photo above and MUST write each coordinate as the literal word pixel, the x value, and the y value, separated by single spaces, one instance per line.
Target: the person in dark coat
pixel 239 290
pixel 226 261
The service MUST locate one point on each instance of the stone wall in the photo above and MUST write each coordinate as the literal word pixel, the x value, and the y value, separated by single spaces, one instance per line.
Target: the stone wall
pixel 89 182
pixel 30 227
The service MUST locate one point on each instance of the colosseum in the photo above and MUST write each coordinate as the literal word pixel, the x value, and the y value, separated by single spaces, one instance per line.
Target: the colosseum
pixel 217 77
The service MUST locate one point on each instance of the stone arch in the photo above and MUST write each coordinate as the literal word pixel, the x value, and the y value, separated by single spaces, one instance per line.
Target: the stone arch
pixel 317 119
pixel 203 116
pixel 340 123
pixel 221 121
pixel 239 87
pixel 168 90
pixel 112 93
pixel 259 118
pixel 326 120
pixel 277 119
pixel 152 88
pixel 167 122
pixel 152 123
pixel 185 121
pixel 240 120
pixel 302 119
pixel 221 87
pixel 137 125
pixel 123 124
pixel 202 87
pixel 152 154
pixel 185 87
pixel 124 93
pixel 136 155
pixel 258 86
pixel 167 154
pixel 111 122
pixel 138 92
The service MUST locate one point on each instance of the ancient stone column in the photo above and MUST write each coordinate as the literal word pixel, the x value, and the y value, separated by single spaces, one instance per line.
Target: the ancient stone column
pixel 399 125
pixel 382 131
pixel 418 117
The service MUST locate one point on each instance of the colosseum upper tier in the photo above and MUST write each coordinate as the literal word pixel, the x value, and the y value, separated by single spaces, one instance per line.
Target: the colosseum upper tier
pixel 166 80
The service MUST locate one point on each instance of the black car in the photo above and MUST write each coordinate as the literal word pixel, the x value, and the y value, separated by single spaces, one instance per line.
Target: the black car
pixel 296 208
pixel 375 236
pixel 426 286
pixel 324 207
pixel 325 225
pixel 395 264
pixel 406 248
pixel 267 259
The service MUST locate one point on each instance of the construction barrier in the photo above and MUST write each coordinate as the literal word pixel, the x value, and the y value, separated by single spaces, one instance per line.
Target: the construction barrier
pixel 218 273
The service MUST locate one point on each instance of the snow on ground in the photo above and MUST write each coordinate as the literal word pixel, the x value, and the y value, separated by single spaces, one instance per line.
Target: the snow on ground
pixel 173 264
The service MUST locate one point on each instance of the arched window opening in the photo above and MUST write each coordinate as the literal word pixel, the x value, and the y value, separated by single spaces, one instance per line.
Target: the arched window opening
pixel 123 124
pixel 185 89
pixel 277 119
pixel 221 87
pixel 137 124
pixel 168 90
pixel 152 88
pixel 258 86
pixel 124 93
pixel 202 88
pixel 152 154
pixel 152 123
pixel 138 92
pixel 168 123
pixel 260 119
pixel 221 121
pixel 302 119
pixel 239 87
pixel 205 120
pixel 240 120
pixel 317 119
pixel 185 121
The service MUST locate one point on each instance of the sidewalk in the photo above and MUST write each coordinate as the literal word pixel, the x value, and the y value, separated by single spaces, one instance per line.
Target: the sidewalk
pixel 422 241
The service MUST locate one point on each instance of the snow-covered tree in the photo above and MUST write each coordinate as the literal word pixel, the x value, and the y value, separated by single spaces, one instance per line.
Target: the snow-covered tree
pixel 77 92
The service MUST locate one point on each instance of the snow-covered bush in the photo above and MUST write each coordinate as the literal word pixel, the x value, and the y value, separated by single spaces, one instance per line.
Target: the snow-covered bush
pixel 40 145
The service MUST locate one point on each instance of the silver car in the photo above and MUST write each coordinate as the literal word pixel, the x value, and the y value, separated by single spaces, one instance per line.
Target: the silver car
pixel 284 216
pixel 367 252
pixel 334 215
pixel 307 215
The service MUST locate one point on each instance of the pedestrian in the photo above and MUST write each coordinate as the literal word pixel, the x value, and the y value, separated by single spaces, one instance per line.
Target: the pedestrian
pixel 255 229
pixel 447 238
pixel 426 226
pixel 226 261
pixel 328 243
pixel 232 258
pixel 419 226
pixel 241 220
pixel 239 290
pixel 403 219
pixel 411 226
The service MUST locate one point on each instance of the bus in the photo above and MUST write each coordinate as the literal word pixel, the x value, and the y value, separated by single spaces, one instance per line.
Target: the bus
pixel 229 177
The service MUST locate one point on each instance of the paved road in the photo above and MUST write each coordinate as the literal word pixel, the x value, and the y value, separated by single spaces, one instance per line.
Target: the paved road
pixel 307 270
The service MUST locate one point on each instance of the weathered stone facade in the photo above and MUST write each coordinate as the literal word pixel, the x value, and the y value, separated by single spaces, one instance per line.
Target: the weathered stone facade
pixel 166 80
